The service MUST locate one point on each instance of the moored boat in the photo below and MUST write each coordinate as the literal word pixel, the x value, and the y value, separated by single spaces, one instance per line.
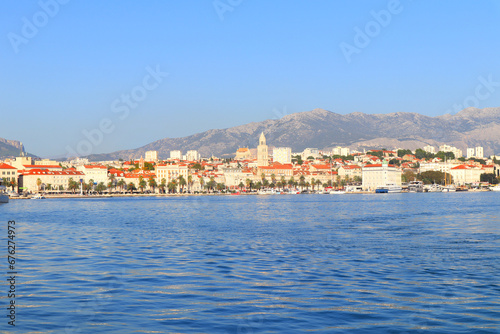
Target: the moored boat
pixel 38 196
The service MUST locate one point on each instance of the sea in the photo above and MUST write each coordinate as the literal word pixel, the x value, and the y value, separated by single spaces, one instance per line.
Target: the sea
pixel 353 263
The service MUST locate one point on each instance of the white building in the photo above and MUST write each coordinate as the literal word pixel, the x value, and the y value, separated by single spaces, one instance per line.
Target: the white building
pixel 430 149
pixel 29 179
pixel 176 154
pixel 262 151
pixel 463 174
pixel 471 152
pixel 171 172
pixel 97 173
pixel 7 172
pixel 479 152
pixel 283 155
pixel 380 175
pixel 151 156
pixel 447 148
pixel 193 155
pixel 310 152
pixel 344 151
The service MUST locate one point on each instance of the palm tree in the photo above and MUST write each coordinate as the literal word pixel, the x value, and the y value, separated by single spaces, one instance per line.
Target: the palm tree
pixel 91 184
pixel 182 183
pixel 163 185
pixel 100 187
pixel 248 183
pixel 291 181
pixel 190 182
pixel 152 183
pixel 202 182
pixel 273 178
pixel 283 181
pixel 241 185
pixel 38 183
pixel 142 183
pixel 302 182
pixel 313 182
pixel 131 187
pixel 318 183
pixel 172 185
pixel 121 184
pixel 49 186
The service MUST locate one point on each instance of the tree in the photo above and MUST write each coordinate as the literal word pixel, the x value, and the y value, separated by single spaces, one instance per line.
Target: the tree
pixel 13 183
pixel 318 183
pixel 190 182
pixel 152 183
pixel 313 182
pixel 121 184
pixel 142 183
pixel 90 185
pixel 421 154
pixel 198 166
pixel 445 155
pixel 408 176
pixel 61 187
pixel 489 177
pixel 241 185
pixel 297 159
pixel 291 182
pixel 72 185
pixel 431 177
pixel 163 185
pixel 172 186
pixel 49 187
pixel 100 187
pixel 38 183
pixel 182 182
pixel 220 186
pixel 402 153
pixel 248 183
pixel 273 178
pixel 131 187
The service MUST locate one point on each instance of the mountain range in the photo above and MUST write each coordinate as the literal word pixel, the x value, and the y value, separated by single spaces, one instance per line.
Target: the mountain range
pixel 323 129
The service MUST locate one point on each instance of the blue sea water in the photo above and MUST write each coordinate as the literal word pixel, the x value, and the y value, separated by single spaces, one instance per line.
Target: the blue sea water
pixel 388 263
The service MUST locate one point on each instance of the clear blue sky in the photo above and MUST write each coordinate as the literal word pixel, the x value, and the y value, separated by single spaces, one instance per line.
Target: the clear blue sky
pixel 251 61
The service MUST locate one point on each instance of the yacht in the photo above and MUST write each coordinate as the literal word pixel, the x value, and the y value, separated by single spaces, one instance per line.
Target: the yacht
pixel 416 187
pixel 38 196
pixel 394 188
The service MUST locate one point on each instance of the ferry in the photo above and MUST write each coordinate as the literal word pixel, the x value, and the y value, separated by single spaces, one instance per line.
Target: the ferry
pixel 389 188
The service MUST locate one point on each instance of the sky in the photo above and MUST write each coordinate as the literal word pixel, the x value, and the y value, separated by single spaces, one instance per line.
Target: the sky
pixel 84 77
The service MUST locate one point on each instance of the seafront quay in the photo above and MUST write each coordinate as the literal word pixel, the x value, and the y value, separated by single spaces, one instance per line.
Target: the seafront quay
pixel 264 169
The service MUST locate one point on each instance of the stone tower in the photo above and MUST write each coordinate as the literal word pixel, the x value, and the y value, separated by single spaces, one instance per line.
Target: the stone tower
pixel 262 155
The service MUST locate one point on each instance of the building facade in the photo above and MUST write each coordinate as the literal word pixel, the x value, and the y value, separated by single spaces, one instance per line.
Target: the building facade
pixel 380 175
pixel 282 155
pixel 262 151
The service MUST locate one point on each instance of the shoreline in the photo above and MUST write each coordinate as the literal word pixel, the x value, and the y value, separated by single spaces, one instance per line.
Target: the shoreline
pixel 76 196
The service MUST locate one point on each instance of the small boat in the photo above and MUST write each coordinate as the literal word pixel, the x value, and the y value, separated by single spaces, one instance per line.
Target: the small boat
pixel 434 188
pixel 448 189
pixel 38 196
pixel 495 188
pixel 337 192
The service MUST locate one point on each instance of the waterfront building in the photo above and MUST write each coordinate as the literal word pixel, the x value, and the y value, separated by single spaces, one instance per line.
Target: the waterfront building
pixel 262 152
pixel 464 174
pixel 151 156
pixel 171 172
pixel 176 154
pixel 45 162
pixel 380 175
pixel 29 179
pixel 283 155
pixel 8 172
pixel 96 173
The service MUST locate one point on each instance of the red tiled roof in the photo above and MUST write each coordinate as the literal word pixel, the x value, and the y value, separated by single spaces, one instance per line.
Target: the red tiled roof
pixel 5 166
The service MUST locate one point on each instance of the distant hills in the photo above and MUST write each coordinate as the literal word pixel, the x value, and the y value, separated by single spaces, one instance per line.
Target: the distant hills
pixel 324 129
pixel 10 148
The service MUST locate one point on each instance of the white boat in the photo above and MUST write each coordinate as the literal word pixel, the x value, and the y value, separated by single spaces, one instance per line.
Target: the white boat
pixel 4 198
pixel 393 188
pixel 337 192
pixel 448 189
pixel 38 196
pixel 434 188
pixel 495 188
pixel 416 187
